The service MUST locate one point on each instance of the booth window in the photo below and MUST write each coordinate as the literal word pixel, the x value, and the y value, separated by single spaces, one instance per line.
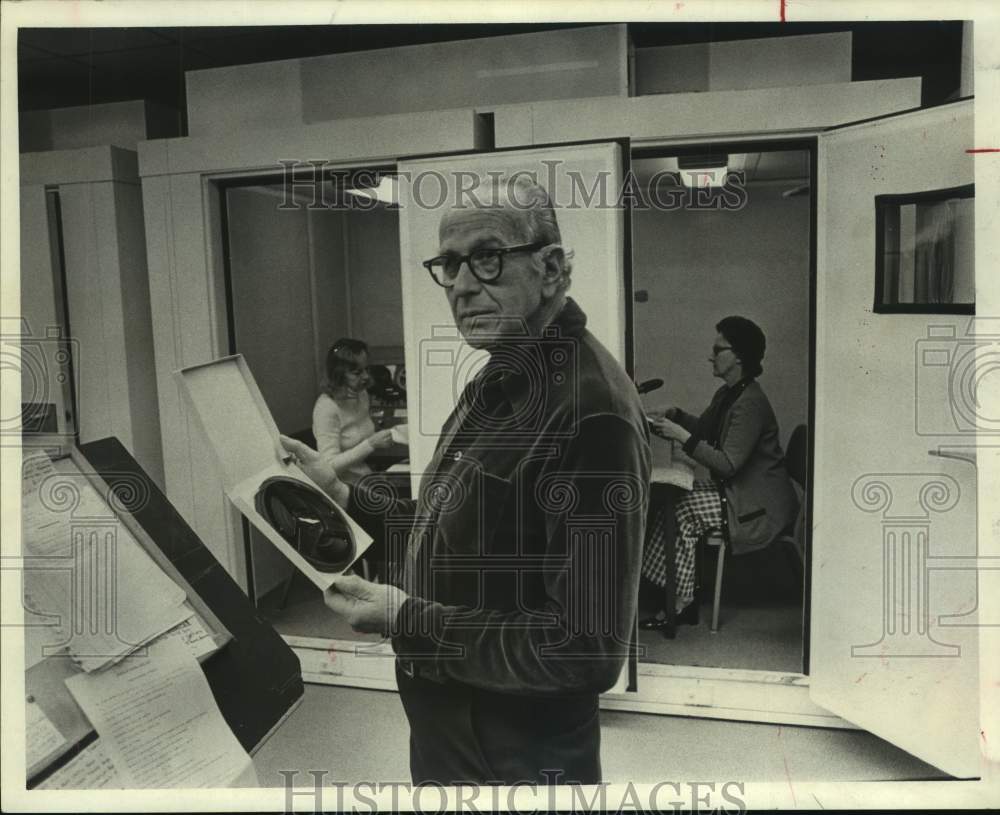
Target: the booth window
pixel 924 252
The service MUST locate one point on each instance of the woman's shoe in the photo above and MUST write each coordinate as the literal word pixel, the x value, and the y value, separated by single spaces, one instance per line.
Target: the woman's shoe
pixel 689 616
pixel 653 623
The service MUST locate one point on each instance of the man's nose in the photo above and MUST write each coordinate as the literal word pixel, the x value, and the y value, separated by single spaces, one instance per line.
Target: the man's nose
pixel 465 281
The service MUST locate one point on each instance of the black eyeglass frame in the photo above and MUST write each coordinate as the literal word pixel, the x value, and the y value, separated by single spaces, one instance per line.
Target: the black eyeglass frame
pixel 499 251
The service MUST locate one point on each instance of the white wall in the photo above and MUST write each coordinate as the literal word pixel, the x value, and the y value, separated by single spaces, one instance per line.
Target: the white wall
pixel 699 266
pixel 771 62
pixel 331 290
pixel 559 64
pixel 123 124
pixel 272 302
pixel 356 283
pixel 376 292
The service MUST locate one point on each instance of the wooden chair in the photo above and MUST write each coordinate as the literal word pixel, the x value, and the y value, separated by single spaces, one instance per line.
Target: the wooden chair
pixel 796 462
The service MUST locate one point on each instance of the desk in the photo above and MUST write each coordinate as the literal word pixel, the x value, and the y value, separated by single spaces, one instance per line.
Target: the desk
pixel 672 476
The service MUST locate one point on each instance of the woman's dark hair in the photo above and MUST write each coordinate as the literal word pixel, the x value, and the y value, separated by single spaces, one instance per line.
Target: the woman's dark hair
pixel 343 355
pixel 747 340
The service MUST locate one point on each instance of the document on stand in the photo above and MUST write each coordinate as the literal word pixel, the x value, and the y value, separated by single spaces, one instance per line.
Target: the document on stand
pixel 159 721
pixel 91 770
pixel 42 737
pixel 85 572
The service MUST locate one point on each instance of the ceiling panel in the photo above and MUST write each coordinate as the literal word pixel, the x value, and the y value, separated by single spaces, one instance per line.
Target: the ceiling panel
pixel 62 66
pixel 83 41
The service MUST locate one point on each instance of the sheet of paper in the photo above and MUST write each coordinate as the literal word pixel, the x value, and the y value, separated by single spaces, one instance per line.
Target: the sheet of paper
pixel 40 640
pixel 85 569
pixel 159 720
pixel 42 737
pixel 195 636
pixel 92 769
pixel 401 434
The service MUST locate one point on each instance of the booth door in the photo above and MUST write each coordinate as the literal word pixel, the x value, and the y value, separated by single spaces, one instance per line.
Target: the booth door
pixel 438 362
pixel 894 589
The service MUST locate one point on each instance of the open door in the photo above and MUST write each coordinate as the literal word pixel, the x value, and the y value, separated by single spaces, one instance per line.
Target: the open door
pixel 893 628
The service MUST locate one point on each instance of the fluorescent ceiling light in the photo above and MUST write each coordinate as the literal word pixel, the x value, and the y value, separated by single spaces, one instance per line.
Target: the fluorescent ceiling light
pixel 704 177
pixel 386 191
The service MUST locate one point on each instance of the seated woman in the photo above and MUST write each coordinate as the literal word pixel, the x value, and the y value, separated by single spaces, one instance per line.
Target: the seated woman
pixel 342 425
pixel 736 439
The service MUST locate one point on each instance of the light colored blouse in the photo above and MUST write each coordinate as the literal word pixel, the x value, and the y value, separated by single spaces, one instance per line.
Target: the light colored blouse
pixel 342 430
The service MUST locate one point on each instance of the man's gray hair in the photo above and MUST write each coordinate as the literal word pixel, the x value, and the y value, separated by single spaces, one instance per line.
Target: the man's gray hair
pixel 531 199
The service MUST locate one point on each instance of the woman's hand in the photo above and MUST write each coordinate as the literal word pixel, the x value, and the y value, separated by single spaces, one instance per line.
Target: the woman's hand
pixel 318 469
pixel 381 439
pixel 667 429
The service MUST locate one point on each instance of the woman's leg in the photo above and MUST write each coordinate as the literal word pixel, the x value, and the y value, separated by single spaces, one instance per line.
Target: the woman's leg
pixel 654 561
pixel 697 512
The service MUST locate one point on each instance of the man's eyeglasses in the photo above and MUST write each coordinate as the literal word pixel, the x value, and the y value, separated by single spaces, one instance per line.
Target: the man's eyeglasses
pixel 486 264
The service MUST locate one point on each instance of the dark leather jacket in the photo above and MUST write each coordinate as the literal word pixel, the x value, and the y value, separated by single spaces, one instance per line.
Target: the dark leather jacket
pixel 522 552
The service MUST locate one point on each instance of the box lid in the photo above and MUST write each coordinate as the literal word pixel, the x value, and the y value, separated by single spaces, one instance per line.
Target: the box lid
pixel 235 418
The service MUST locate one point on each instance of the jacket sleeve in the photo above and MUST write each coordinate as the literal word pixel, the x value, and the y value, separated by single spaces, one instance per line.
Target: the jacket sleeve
pixel 373 503
pixel 579 640
pixel 745 427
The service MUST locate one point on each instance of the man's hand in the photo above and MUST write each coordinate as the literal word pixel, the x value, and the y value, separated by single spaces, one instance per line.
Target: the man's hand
pixel 370 608
pixel 318 469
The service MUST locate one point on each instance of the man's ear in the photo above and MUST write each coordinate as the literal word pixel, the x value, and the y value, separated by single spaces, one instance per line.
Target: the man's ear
pixel 553 261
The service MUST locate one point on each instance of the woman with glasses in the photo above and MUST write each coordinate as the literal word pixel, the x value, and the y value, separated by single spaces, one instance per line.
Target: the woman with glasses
pixel 342 424
pixel 736 439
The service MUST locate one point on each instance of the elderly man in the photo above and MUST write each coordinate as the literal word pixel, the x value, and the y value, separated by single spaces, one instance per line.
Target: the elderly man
pixel 521 567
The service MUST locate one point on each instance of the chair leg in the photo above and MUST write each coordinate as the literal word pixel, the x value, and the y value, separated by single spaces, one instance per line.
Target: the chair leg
pixel 718 588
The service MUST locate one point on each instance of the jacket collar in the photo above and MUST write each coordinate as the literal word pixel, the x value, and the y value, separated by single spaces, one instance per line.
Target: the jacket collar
pixel 537 357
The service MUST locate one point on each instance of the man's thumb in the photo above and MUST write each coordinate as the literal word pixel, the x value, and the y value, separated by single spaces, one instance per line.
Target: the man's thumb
pixel 297 448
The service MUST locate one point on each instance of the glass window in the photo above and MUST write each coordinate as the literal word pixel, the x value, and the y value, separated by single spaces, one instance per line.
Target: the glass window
pixel 924 252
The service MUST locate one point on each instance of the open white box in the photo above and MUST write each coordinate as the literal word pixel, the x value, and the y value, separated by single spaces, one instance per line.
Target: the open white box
pixel 241 431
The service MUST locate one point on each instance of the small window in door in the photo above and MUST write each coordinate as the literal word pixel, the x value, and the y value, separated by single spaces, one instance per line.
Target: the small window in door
pixel 924 254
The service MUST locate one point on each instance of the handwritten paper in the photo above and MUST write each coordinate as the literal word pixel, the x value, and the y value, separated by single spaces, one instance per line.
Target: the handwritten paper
pixel 92 769
pixel 159 720
pixel 194 635
pixel 42 737
pixel 85 570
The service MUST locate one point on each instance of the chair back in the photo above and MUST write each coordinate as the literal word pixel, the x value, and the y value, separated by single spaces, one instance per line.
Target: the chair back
pixel 796 454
